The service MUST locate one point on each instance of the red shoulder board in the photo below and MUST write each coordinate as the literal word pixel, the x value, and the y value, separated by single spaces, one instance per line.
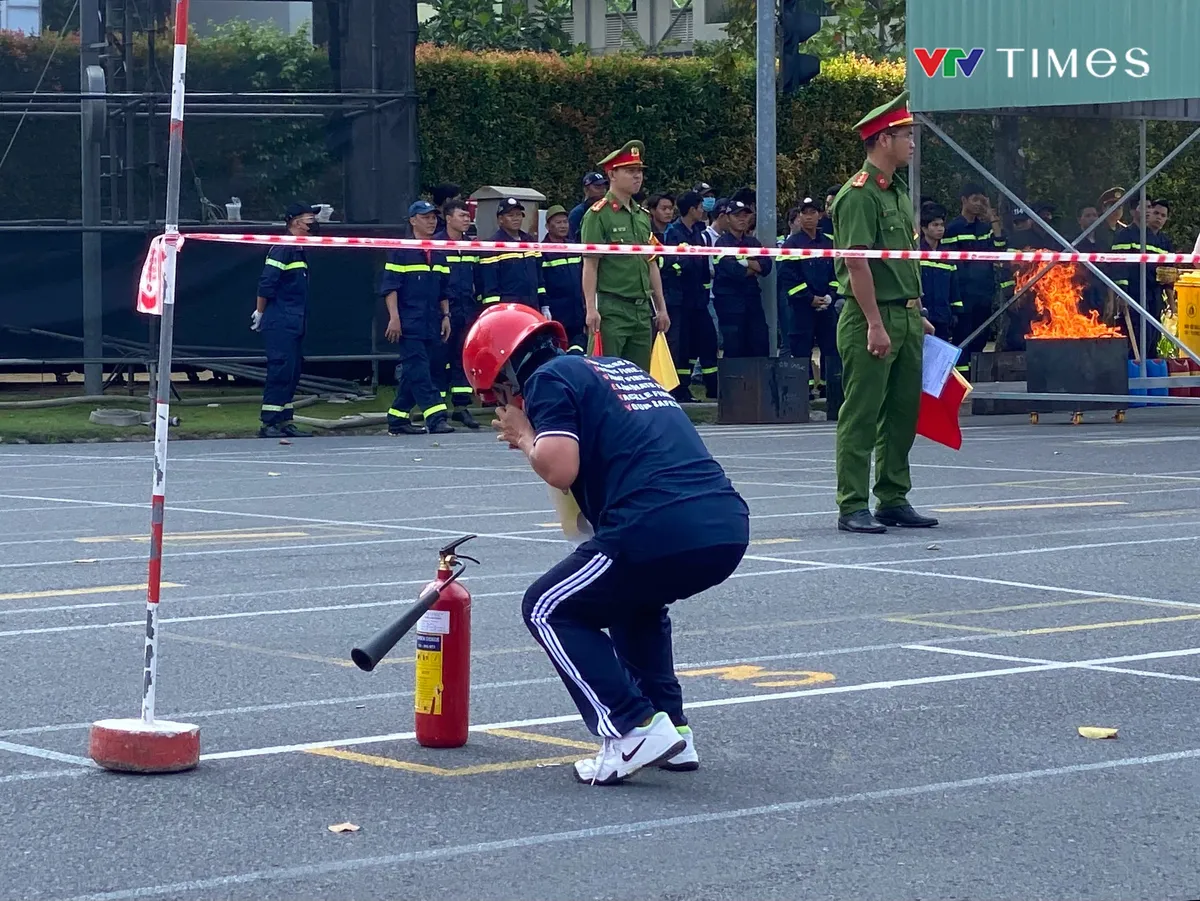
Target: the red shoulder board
pixel 598 205
pixel 860 180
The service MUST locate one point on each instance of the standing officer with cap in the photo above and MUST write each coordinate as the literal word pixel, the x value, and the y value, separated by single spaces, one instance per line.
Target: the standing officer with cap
pixel 281 314
pixel 562 273
pixel 881 330
pixel 462 290
pixel 414 289
pixel 512 276
pixel 619 288
pixel 594 186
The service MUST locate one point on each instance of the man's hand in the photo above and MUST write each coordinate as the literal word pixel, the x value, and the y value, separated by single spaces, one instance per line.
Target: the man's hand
pixel 927 326
pixel 822 302
pixel 754 265
pixel 513 426
pixel 663 321
pixel 255 321
pixel 393 333
pixel 593 319
pixel 879 343
pixel 445 329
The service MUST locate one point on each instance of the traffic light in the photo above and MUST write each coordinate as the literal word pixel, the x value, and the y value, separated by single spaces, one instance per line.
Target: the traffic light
pixel 797 26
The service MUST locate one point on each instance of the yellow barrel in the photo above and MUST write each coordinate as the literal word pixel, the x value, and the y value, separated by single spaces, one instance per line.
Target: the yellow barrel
pixel 1187 295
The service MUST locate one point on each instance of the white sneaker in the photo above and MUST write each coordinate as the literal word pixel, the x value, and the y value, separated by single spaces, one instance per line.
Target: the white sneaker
pixel 642 746
pixel 687 759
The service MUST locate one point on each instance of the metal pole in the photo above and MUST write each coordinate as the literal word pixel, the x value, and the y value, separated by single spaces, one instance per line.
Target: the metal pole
pixel 162 408
pixel 1142 266
pixel 92 128
pixel 914 174
pixel 764 181
pixel 1003 188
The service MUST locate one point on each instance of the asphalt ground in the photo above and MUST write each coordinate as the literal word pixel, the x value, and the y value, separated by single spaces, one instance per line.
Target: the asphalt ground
pixel 878 717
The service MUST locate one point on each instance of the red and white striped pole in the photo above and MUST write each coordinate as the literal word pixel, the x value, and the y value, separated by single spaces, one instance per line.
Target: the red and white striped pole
pixel 148 745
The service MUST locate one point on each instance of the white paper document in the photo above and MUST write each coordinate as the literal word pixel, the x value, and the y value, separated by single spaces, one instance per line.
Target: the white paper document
pixel 939 358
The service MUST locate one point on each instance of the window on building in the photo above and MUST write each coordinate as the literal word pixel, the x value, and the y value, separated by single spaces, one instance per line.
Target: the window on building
pixel 21 15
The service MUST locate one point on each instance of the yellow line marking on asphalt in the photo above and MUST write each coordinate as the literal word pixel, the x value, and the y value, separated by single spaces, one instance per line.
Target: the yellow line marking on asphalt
pixel 1111 625
pixel 774 540
pixel 544 739
pixel 426 770
pixel 1041 605
pixel 1052 506
pixel 72 592
pixel 913 621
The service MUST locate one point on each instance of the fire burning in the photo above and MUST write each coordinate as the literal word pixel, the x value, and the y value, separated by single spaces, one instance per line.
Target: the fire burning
pixel 1057 297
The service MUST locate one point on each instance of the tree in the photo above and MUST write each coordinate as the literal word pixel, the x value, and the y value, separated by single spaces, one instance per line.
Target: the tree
pixel 504 25
pixel 870 28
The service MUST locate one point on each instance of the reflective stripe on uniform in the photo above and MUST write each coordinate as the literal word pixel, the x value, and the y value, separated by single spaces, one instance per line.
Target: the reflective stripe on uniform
pixel 932 265
pixel 404 268
pixel 803 286
pixel 493 299
pixel 279 265
pixel 272 408
pixel 394 412
pixel 434 410
pixel 565 261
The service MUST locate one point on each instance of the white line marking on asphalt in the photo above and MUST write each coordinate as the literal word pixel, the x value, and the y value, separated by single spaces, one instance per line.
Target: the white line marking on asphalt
pixel 619 829
pixel 56 756
pixel 958 652
pixel 717 702
pixel 41 774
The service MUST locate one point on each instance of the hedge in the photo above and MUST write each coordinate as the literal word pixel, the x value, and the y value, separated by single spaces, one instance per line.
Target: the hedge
pixel 542 120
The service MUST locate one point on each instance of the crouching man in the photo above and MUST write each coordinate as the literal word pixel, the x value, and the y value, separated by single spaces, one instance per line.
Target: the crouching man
pixel 667 525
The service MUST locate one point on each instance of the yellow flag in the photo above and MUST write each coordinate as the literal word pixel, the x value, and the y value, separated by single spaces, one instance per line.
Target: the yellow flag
pixel 662 367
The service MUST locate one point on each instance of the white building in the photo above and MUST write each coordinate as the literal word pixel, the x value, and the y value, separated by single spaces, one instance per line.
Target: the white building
pixel 21 15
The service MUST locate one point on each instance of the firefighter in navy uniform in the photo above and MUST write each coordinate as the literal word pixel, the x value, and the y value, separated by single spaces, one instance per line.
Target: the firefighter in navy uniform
pixel 811 289
pixel 1129 240
pixel 512 276
pixel 940 293
pixel 737 294
pixel 414 290
pixel 281 314
pixel 562 275
pixel 462 290
pixel 686 282
pixel 978 228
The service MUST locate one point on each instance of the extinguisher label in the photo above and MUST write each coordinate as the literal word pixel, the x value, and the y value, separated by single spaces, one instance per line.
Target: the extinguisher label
pixel 436 622
pixel 428 694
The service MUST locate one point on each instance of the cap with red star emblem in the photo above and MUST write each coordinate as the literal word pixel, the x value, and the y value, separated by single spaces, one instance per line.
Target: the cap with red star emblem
pixel 890 115
pixel 629 155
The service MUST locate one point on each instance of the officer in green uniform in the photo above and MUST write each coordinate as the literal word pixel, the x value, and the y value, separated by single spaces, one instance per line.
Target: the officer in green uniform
pixel 619 289
pixel 881 329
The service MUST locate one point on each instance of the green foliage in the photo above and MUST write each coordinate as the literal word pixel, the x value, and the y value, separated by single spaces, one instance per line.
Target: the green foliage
pixel 479 25
pixel 543 119
pixel 870 28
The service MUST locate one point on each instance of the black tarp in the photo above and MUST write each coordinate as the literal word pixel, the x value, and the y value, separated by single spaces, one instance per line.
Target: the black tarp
pixel 41 288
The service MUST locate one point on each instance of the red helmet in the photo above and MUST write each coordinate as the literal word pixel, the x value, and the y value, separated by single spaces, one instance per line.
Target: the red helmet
pixel 498 331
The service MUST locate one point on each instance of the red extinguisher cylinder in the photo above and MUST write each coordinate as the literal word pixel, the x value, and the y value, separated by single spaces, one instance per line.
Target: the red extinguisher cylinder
pixel 443 667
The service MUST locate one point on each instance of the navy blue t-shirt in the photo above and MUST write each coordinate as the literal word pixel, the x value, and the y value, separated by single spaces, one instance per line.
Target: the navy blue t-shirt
pixel 646 482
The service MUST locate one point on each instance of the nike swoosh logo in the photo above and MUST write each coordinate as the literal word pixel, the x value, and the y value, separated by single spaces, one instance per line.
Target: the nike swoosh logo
pixel 628 757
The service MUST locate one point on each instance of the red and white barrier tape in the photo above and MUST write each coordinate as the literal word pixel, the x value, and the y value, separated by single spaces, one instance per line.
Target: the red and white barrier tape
pixel 1042 256
pixel 150 288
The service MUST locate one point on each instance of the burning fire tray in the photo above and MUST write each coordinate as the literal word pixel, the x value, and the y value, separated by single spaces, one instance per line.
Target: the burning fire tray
pixel 1068 351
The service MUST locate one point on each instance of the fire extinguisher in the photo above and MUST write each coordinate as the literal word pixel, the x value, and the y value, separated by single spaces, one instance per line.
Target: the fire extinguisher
pixel 443 666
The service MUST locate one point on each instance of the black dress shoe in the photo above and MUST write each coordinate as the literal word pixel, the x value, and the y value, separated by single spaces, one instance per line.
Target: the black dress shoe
pixel 291 430
pixel 859 521
pixel 904 516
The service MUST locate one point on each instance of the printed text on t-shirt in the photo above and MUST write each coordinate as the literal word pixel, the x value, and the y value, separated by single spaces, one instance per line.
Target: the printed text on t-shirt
pixel 636 389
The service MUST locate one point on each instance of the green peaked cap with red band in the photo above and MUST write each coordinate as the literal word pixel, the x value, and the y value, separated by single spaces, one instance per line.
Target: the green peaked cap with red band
pixel 890 115
pixel 630 155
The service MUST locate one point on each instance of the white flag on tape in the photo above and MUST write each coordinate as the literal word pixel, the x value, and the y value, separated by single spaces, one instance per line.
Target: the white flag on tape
pixel 150 286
